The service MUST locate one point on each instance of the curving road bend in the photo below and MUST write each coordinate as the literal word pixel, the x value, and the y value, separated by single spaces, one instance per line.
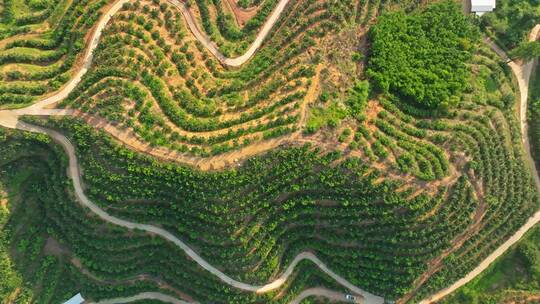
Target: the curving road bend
pixel 317 291
pixel 75 175
pixel 523 74
pixel 212 47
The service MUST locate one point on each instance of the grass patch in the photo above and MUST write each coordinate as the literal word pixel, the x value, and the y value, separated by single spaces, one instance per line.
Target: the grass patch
pixel 330 116
pixel 490 84
pixel 24 51
pixel 19 8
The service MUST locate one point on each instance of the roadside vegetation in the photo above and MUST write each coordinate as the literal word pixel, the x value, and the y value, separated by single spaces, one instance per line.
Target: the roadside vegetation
pixel 533 116
pixel 514 278
pixel 511 21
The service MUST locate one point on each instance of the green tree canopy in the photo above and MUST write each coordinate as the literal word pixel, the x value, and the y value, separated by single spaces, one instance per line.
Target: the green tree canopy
pixel 512 21
pixel 422 56
pixel 526 51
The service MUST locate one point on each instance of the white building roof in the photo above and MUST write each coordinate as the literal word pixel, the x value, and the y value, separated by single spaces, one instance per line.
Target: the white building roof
pixel 482 6
pixel 77 299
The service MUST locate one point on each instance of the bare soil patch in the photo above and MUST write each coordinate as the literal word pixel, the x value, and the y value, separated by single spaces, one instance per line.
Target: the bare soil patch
pixel 241 15
pixel 53 247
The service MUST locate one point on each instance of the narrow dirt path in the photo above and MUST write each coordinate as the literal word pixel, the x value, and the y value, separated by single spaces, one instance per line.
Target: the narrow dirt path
pixel 143 296
pixel 523 74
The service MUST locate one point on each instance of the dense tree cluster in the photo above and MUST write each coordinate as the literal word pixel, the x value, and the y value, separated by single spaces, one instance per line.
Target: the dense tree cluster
pixel 422 56
pixel 512 20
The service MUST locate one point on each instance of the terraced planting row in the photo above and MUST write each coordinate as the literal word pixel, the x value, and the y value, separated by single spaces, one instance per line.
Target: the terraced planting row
pixel 183 99
pixel 100 260
pixel 250 223
pixel 20 16
pixel 41 60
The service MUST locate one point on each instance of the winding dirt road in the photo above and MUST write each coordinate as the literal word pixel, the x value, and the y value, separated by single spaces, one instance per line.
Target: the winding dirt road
pixel 10 119
pixel 75 175
pixel 329 294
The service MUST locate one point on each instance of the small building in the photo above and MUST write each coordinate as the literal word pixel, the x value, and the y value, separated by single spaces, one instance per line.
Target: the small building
pixel 77 299
pixel 482 6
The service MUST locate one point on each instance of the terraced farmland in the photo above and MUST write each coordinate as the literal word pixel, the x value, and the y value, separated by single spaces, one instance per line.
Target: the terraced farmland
pixel 182 98
pixel 334 158
pixel 40 50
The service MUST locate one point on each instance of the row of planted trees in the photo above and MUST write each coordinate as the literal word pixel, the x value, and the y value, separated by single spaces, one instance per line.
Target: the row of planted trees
pixel 55 53
pixel 112 259
pixel 284 196
pixel 196 106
